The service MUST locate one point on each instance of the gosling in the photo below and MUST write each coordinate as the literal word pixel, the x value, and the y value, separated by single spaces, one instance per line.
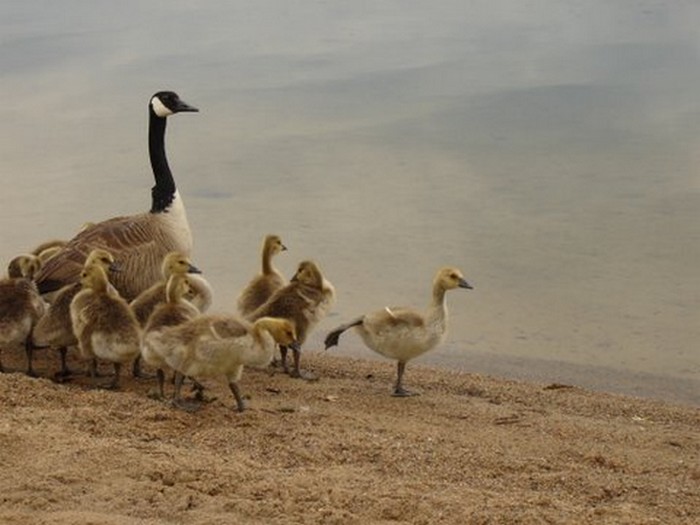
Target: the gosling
pixel 404 333
pixel 174 311
pixel 54 329
pixel 263 285
pixel 304 301
pixel 103 323
pixel 21 306
pixel 146 301
pixel 211 345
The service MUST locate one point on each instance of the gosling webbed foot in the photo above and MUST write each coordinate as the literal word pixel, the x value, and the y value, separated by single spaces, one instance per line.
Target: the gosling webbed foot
pixel 187 406
pixel 137 372
pixel 402 392
pixel 298 373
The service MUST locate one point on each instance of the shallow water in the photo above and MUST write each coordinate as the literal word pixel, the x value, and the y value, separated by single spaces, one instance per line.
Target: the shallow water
pixel 548 150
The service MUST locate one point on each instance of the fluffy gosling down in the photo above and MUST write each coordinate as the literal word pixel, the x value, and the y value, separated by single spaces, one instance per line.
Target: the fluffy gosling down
pixel 145 303
pixel 404 333
pixel 304 301
pixel 174 311
pixel 211 345
pixel 55 329
pixel 174 263
pixel 20 305
pixel 263 285
pixel 103 323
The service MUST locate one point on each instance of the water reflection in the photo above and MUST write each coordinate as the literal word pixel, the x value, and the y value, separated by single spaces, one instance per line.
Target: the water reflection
pixel 548 151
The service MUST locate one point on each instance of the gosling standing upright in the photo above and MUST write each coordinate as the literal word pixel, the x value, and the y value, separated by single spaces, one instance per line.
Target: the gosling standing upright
pixel 304 301
pixel 54 329
pixel 104 324
pixel 174 311
pixel 263 285
pixel 403 333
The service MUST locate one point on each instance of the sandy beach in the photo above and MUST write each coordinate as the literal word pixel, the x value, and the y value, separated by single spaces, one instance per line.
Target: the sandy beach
pixel 469 449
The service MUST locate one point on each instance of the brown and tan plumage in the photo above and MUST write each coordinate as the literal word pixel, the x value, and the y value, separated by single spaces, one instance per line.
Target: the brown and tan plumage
pixel 137 242
pixel 403 333
pixel 303 301
pixel 103 323
pixel 215 345
pixel 21 306
pixel 172 264
pixel 54 329
pixel 263 285
pixel 174 311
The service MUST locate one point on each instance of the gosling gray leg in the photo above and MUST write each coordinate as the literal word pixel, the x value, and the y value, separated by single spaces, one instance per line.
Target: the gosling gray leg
pixel 29 350
pixel 177 396
pixel 65 371
pixel 236 391
pixel 399 390
pixel 283 359
pixel 114 384
pixel 137 372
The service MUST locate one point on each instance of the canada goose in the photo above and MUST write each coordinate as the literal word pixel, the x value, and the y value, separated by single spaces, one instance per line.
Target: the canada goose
pixel 303 301
pixel 54 328
pixel 404 333
pixel 103 323
pixel 20 305
pixel 211 345
pixel 138 242
pixel 263 285
pixel 174 311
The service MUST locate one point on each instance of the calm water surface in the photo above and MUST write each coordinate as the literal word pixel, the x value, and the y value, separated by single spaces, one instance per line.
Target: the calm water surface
pixel 549 149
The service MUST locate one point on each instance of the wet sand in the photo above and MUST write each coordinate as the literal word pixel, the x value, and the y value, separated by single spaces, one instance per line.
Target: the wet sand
pixel 470 449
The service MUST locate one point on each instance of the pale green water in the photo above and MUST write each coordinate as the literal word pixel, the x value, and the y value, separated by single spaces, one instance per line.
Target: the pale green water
pixel 548 149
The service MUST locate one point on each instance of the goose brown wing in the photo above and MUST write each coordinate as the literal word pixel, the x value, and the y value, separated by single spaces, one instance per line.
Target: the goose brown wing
pixel 117 235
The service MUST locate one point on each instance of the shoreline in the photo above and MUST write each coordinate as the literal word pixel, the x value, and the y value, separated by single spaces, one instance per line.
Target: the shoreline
pixel 666 388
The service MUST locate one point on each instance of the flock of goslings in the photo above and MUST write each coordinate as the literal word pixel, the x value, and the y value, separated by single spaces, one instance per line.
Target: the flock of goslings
pixel 125 291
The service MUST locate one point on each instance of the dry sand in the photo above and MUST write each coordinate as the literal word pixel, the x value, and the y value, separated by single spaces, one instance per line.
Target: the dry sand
pixel 470 449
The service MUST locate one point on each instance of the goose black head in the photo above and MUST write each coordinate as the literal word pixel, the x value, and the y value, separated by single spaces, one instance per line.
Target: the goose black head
pixel 166 103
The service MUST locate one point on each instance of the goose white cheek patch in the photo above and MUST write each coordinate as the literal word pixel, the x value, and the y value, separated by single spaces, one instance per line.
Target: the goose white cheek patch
pixel 159 108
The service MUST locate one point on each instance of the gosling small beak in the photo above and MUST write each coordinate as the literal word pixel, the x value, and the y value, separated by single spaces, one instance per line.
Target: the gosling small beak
pixel 465 284
pixel 115 267
pixel 296 346
pixel 193 269
pixel 284 248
